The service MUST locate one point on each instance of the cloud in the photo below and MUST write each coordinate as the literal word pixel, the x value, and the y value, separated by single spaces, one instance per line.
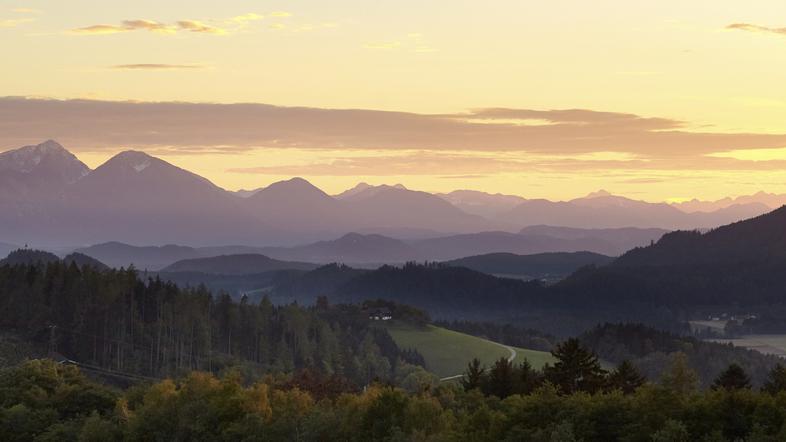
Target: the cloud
pixel 26 11
pixel 200 27
pixel 580 136
pixel 756 28
pixel 150 26
pixel 156 66
pixel 280 14
pixel 245 18
pixel 126 26
pixel 12 23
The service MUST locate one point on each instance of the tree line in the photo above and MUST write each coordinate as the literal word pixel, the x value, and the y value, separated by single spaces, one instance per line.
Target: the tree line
pixel 113 320
pixel 42 400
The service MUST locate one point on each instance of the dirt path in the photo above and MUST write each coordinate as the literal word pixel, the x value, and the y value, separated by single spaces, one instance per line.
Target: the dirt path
pixel 513 355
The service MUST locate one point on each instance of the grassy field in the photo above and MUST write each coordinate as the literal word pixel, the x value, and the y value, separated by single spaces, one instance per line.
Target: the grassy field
pixel 447 352
pixel 767 344
pixel 708 325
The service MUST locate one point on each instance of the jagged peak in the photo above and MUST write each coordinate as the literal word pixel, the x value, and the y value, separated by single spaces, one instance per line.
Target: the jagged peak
pixel 599 194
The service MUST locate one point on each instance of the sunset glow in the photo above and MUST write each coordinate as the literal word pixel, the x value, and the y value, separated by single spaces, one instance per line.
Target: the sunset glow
pixel 687 100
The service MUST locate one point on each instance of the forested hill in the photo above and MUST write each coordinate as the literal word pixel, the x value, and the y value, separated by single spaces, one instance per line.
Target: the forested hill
pixel 651 351
pixel 739 267
pixel 756 240
pixel 114 321
pixel 240 264
pixel 540 265
pixel 441 290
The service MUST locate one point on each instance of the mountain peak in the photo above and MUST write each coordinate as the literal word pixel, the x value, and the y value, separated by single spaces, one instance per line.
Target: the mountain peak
pixel 599 194
pixel 49 156
pixel 132 159
pixel 296 184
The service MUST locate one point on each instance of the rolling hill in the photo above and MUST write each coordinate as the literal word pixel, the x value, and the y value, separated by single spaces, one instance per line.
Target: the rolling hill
pixel 246 264
pixel 539 266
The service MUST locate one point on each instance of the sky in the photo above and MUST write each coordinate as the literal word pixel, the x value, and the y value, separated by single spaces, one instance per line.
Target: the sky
pixel 665 100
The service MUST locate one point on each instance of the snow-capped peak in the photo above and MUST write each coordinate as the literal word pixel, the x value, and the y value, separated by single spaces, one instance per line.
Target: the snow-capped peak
pixel 49 155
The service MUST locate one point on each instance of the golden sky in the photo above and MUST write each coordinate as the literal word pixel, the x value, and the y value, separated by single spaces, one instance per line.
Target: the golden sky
pixel 678 99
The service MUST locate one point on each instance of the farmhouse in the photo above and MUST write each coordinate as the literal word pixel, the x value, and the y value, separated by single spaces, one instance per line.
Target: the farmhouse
pixel 380 314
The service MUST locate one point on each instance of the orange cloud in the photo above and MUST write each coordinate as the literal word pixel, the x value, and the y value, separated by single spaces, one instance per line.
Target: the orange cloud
pixel 756 28
pixel 579 133
pixel 151 26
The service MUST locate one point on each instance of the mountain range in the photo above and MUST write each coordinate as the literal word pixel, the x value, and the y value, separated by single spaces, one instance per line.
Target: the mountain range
pixel 50 198
pixel 370 250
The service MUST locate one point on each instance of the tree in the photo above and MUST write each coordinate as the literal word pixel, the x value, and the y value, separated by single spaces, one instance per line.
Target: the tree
pixel 672 431
pixel 626 378
pixel 680 378
pixel 528 378
pixel 733 378
pixel 576 369
pixel 500 379
pixel 776 380
pixel 473 377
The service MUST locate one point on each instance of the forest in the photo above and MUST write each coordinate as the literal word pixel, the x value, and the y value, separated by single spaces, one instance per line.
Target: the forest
pixel 115 321
pixel 574 400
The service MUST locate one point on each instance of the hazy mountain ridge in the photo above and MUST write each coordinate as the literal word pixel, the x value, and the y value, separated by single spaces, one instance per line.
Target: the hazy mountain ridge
pixel 245 264
pixel 49 197
pixel 540 266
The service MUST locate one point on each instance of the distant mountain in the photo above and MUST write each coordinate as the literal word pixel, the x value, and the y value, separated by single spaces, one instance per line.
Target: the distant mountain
pixel 738 267
pixel 365 190
pixel 358 249
pixel 235 265
pixel 603 210
pixel 761 239
pixel 470 244
pixel 51 199
pixel 538 266
pixel 391 206
pixel 351 248
pixel 481 203
pixel 27 256
pixel 771 200
pixel 137 198
pixel 82 260
pixel 32 183
pixel 619 240
pixel 298 205
pixel 47 163
pixel 116 254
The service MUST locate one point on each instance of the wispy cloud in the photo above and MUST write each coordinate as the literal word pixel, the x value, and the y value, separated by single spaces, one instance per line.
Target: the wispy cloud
pixel 126 26
pixel 156 66
pixel 200 27
pixel 12 23
pixel 151 26
pixel 756 28
pixel 26 11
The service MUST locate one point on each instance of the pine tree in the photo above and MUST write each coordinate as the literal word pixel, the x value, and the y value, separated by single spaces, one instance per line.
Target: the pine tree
pixel 776 380
pixel 473 377
pixel 500 379
pixel 576 369
pixel 625 378
pixel 733 378
pixel 680 378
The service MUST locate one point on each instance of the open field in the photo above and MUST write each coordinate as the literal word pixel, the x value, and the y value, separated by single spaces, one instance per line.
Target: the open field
pixel 717 326
pixel 767 344
pixel 447 352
